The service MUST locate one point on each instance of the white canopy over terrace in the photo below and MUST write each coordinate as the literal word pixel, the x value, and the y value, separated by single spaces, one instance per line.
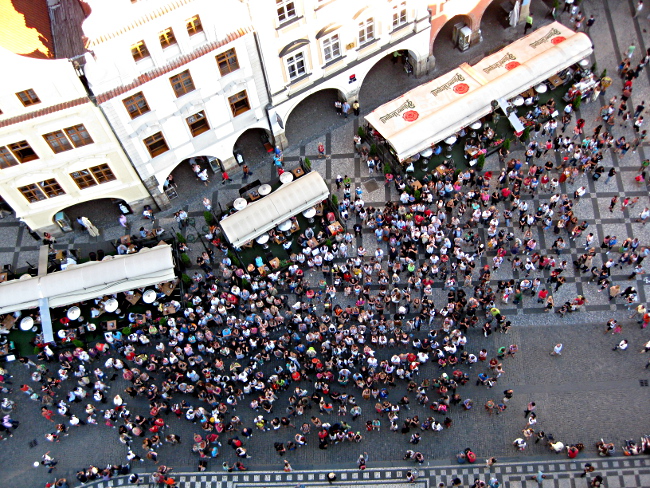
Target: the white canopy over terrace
pixel 267 212
pixel 438 109
pixel 89 280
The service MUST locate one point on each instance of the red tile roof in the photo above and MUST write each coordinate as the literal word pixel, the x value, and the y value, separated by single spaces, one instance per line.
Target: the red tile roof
pixel 43 111
pixel 177 63
pixel 25 28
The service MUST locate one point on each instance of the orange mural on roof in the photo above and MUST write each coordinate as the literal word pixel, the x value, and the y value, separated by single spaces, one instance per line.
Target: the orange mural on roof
pixel 25 28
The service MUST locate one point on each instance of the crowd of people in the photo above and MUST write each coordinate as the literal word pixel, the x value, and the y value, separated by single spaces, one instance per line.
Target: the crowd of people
pixel 333 347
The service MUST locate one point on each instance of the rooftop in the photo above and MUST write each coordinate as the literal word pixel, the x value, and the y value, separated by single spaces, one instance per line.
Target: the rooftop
pixel 25 28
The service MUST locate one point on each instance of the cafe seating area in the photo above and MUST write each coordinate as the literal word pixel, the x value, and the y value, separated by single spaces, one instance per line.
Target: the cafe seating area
pixel 483 137
pixel 90 321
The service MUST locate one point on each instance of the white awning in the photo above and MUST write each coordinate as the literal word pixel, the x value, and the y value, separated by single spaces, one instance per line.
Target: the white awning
pixel 267 212
pixel 438 109
pixel 85 281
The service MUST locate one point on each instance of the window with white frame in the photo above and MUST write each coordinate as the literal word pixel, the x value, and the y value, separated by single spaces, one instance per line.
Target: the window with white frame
pixel 296 65
pixel 399 14
pixel 286 10
pixel 366 31
pixel 331 48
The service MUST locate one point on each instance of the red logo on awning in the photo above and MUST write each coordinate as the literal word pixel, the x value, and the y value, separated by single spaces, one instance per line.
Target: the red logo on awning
pixel 512 65
pixel 558 39
pixel 461 88
pixel 410 116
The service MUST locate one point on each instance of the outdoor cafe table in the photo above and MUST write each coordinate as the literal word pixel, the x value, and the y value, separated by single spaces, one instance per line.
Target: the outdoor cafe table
pixel 133 299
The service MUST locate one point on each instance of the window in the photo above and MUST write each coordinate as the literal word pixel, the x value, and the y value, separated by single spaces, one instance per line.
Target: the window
pixel 239 103
pixel 28 97
pixel 167 38
pixel 79 135
pixel 194 25
pixel 182 83
pixel 156 144
pixel 6 158
pixel 139 51
pixel 32 193
pixel 23 151
pixel 296 65
pixel 198 123
pixel 57 141
pixel 366 31
pixel 83 179
pixel 331 48
pixel 136 105
pixel 399 15
pixel 36 192
pixel 286 10
pixel 93 176
pixel 227 62
pixel 103 173
pixel 51 188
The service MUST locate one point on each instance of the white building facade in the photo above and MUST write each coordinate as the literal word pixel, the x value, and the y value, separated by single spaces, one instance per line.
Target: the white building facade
pixel 56 148
pixel 176 79
pixel 313 45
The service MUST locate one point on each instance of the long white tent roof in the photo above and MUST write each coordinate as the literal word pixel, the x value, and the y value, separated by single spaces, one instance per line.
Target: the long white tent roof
pixel 267 212
pixel 438 109
pixel 85 281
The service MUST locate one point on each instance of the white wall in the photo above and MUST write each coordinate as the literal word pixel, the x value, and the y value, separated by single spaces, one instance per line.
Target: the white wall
pixel 112 67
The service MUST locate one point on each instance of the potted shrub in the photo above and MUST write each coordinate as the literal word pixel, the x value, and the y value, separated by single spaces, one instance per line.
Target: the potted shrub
pixel 307 164
pixel 180 238
pixel 480 162
pixel 209 218
pixel 361 131
pixel 506 144
pixel 335 200
pixel 186 279
pixel 185 260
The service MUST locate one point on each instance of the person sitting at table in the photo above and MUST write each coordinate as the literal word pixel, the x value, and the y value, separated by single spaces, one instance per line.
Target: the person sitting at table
pixel 259 261
pixel 122 249
pixel 95 312
pixel 147 213
pixel 143 233
pixel 158 231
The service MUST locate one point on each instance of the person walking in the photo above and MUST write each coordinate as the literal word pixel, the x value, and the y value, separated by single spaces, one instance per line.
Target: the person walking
pixel 587 469
pixel 529 23
pixel 590 21
pixel 530 408
pixel 346 109
pixel 637 9
pixel 122 220
pixel 621 345
pixel 356 108
pixel 557 350
pixel 224 177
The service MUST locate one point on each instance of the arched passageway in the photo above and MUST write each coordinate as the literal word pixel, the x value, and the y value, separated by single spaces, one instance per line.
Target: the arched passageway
pixel 254 146
pixel 386 80
pixel 101 212
pixel 312 117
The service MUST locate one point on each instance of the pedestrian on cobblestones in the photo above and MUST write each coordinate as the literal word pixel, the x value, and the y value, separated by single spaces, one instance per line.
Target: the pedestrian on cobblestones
pixel 588 468
pixel 557 350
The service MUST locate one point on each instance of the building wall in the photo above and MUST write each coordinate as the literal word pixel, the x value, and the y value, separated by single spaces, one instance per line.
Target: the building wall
pixel 114 76
pixel 63 104
pixel 444 10
pixel 309 45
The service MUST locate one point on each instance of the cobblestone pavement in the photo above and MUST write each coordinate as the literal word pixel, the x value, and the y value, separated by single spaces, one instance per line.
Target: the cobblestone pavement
pixel 616 473
pixel 587 393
